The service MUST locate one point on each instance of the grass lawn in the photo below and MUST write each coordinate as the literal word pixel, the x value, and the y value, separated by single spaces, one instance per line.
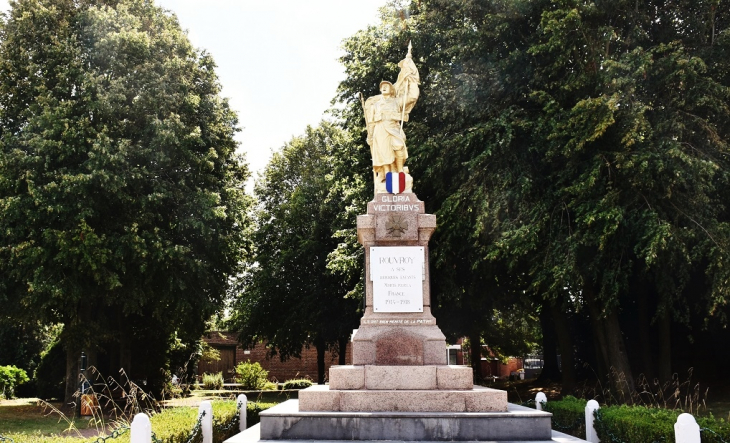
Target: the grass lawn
pixel 27 416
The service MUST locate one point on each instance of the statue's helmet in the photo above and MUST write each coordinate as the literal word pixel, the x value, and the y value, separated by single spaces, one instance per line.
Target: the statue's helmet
pixel 386 82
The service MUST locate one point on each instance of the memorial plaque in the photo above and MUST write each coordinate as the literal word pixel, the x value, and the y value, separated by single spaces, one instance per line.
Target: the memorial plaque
pixel 397 273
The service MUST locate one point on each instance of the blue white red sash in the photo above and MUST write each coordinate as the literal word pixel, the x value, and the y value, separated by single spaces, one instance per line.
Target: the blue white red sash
pixel 395 182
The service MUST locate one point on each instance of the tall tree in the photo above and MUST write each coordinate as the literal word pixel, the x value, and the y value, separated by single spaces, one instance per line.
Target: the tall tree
pixel 121 199
pixel 290 298
pixel 581 145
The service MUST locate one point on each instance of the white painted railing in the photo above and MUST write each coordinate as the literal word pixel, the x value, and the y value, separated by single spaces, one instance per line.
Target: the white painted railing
pixel 686 430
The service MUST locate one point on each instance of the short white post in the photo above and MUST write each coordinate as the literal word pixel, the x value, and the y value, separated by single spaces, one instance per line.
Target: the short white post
pixel 591 436
pixel 540 398
pixel 242 400
pixel 141 429
pixel 206 425
pixel 686 430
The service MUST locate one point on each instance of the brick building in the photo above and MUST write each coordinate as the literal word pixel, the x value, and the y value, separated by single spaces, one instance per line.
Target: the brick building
pixel 232 354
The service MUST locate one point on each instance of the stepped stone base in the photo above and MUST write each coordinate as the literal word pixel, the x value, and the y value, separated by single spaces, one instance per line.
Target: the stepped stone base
pixel 400 377
pixel 287 422
pixel 253 435
pixel 479 399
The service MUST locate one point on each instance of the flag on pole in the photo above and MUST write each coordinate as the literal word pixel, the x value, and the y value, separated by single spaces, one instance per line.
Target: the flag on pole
pixel 395 182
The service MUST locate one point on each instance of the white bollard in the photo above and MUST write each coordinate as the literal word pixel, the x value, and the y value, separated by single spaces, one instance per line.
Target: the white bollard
pixel 540 398
pixel 141 429
pixel 591 436
pixel 206 425
pixel 686 430
pixel 242 400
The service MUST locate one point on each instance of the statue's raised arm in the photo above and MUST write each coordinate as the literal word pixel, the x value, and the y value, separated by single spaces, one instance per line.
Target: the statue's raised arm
pixel 384 116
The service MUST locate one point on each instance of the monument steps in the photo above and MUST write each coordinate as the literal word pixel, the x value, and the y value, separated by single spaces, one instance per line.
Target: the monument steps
pixel 285 423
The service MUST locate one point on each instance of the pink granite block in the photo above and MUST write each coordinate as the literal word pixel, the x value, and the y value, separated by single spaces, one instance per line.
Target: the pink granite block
pixel 319 398
pixel 363 353
pixel 403 401
pixel 483 399
pixel 434 352
pixel 347 377
pixel 400 377
pixel 399 347
pixel 454 377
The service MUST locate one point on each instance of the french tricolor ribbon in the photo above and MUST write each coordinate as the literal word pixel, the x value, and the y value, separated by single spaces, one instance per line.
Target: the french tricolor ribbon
pixel 395 182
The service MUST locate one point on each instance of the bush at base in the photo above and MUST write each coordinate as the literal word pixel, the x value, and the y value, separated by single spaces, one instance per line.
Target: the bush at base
pixel 251 375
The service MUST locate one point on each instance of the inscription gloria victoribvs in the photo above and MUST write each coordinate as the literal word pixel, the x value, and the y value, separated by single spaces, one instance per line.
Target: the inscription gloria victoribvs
pixel 397 274
pixel 396 203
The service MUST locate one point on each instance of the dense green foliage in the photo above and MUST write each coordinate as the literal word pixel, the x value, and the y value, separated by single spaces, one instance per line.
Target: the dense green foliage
pixel 297 383
pixel 251 375
pixel 576 156
pixel 294 293
pixel 10 378
pixel 122 211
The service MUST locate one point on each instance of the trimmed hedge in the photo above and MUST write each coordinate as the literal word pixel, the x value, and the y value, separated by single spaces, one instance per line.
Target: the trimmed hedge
pixel 629 424
pixel 297 383
pixel 635 423
pixel 569 415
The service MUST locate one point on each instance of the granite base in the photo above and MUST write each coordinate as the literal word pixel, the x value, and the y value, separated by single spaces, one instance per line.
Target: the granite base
pixel 286 422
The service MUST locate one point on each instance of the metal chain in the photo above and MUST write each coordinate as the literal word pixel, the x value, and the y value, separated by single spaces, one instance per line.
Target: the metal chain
pixel 155 439
pixel 115 433
pixel 715 434
pixel 233 422
pixel 196 429
pixel 8 439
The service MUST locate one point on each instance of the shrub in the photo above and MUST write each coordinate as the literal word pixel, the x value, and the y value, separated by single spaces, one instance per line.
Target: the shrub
pixel 270 386
pixel 714 430
pixel 213 381
pixel 251 375
pixel 10 377
pixel 635 423
pixel 297 383
pixel 569 415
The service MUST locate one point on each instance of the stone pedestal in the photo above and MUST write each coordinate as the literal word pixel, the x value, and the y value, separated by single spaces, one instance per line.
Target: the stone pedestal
pixel 399 353
pixel 399 386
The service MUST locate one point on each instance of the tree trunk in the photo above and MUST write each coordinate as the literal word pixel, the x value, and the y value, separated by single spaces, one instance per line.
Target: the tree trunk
pixel 550 369
pixel 613 350
pixel 475 353
pixel 565 343
pixel 320 362
pixel 125 356
pixel 665 347
pixel 342 350
pixel 645 335
pixel 72 374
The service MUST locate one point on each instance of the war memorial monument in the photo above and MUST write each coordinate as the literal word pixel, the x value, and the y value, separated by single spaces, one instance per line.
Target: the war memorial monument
pixel 399 386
